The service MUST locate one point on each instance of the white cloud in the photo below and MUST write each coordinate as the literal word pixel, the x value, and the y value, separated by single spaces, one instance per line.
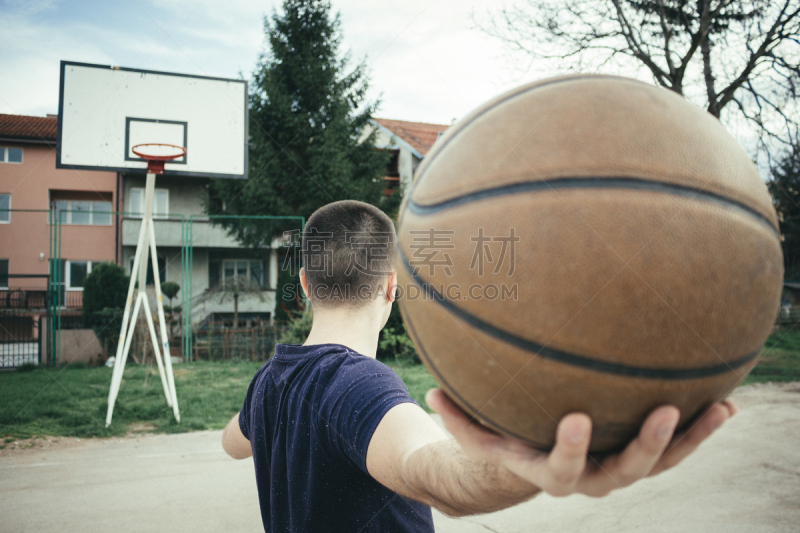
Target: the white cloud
pixel 424 57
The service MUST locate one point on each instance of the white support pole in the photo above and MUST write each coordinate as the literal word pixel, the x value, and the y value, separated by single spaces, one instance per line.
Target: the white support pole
pixel 162 322
pixel 116 375
pixel 157 353
pixel 145 249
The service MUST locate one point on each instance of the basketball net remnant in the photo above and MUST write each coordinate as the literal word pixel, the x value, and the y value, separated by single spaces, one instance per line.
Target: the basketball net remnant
pixel 156 155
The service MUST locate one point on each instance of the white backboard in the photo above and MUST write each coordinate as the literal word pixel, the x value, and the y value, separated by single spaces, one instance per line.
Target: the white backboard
pixel 104 111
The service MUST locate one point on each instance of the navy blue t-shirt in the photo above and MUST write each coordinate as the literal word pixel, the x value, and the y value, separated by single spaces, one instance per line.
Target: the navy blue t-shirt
pixel 309 414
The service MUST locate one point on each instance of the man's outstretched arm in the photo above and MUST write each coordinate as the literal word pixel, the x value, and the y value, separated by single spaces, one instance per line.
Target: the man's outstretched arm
pixel 234 442
pixel 484 472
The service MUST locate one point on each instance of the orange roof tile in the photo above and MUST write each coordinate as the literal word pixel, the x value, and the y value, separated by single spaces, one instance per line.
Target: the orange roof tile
pixel 26 127
pixel 420 135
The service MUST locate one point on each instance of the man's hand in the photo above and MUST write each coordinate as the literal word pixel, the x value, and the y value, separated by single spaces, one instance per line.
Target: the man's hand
pixel 565 470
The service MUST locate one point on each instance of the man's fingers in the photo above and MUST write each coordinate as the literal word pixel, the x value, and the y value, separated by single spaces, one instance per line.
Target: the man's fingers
pixel 687 442
pixel 639 457
pixel 731 406
pixel 439 402
pixel 567 461
pixel 477 441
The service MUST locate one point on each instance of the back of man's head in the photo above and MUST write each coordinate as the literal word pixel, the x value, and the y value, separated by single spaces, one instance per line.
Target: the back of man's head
pixel 348 252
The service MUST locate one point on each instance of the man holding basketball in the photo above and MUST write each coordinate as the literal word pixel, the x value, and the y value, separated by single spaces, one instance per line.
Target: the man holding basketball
pixel 338 444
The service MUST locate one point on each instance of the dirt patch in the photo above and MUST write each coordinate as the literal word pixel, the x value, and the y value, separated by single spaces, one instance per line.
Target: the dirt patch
pixel 138 429
pixel 769 393
pixel 12 446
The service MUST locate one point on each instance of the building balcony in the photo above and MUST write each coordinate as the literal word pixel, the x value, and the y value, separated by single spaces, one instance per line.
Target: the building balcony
pixel 23 298
pixel 168 232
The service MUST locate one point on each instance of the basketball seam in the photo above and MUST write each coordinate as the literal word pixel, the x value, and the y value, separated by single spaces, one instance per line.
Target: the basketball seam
pixel 451 390
pixel 511 96
pixel 573 359
pixel 638 184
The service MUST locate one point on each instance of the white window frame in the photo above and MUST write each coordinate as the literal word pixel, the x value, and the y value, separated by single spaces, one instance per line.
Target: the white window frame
pixel 5 155
pixel 68 273
pixel 9 208
pixel 138 211
pixel 70 212
pixel 247 274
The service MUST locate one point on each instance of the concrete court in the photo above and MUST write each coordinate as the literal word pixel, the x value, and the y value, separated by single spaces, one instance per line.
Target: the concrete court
pixel 746 479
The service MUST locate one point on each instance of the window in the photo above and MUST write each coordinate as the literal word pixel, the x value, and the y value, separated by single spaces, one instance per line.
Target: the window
pixel 160 202
pixel 83 212
pixel 245 268
pixel 5 205
pixel 10 155
pixel 3 274
pixel 213 273
pixel 76 274
pixel 151 280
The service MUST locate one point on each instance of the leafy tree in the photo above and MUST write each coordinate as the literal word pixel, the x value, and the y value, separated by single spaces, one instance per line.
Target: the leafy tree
pixel 785 190
pixel 307 114
pixel 104 292
pixel 170 289
pixel 738 57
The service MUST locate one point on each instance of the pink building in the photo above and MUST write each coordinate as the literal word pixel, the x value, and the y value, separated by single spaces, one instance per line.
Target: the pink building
pixel 30 186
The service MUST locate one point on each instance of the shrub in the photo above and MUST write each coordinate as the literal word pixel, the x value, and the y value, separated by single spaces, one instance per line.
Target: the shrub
pixel 106 286
pixel 170 289
pixel 395 344
pixel 298 329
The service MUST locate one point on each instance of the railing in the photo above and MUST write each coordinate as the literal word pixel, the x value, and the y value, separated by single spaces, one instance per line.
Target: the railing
pixel 24 298
pixel 256 344
pixel 72 300
pixel 39 299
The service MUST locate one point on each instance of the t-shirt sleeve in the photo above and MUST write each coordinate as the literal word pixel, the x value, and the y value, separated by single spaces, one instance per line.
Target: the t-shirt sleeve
pixel 356 403
pixel 244 414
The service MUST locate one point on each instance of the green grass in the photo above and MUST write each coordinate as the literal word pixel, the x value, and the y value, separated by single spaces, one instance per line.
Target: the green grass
pixel 73 401
pixel 417 379
pixel 780 361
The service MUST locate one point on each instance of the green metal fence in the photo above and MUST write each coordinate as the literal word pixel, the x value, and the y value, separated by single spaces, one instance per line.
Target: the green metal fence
pixel 56 220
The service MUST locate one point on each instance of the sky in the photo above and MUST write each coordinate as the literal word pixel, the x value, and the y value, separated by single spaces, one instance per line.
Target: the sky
pixel 427 61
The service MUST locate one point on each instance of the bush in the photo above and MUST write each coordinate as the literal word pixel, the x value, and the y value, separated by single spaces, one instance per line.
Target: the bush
pixel 298 329
pixel 105 287
pixel 170 289
pixel 395 344
pixel 104 292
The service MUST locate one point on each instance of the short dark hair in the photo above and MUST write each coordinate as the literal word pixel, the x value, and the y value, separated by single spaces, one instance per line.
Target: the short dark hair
pixel 348 250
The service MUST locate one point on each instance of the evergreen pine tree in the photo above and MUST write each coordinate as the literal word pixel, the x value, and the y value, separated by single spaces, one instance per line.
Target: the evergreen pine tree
pixel 307 113
pixel 308 110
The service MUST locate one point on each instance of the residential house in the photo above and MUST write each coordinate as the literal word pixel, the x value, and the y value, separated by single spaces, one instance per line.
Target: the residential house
pixel 409 142
pixel 30 187
pixel 216 257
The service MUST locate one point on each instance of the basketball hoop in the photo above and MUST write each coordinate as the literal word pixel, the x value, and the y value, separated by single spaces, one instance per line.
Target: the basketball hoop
pixel 157 154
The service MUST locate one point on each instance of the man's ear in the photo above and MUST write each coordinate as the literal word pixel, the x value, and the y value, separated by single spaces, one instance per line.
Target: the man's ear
pixel 391 286
pixel 304 282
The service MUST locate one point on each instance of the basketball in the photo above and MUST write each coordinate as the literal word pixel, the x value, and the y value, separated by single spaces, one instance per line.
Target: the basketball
pixel 588 243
